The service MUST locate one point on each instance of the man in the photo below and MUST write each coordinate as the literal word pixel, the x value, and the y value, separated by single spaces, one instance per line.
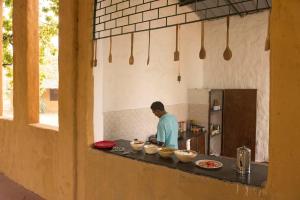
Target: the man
pixel 167 128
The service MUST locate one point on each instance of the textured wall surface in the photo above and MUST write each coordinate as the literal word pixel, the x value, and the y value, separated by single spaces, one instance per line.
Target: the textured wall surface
pixel 137 123
pixel 121 88
pixel 114 17
pixel 285 90
pixel 198 103
pixel 137 86
pixel 123 84
pixel 248 68
pixel 41 158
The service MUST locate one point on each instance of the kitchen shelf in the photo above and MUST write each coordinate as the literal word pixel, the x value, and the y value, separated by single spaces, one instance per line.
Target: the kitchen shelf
pixel 213 111
pixel 216 134
pixel 237 120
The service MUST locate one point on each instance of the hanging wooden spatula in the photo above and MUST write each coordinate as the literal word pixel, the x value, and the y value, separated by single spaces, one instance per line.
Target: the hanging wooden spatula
pixel 267 45
pixel 94 62
pixel 110 47
pixel 202 53
pixel 227 53
pixel 131 58
pixel 149 42
pixel 176 53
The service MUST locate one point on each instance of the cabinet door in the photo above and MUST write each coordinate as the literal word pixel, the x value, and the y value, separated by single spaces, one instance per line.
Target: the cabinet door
pixel 198 144
pixel 239 121
pixel 201 146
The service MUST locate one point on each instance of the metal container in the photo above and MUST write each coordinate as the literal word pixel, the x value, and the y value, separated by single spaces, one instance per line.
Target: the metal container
pixel 243 160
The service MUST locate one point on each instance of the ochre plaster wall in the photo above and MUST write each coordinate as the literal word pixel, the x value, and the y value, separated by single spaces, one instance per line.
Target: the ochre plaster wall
pixel 284 176
pixel 121 178
pixel 38 157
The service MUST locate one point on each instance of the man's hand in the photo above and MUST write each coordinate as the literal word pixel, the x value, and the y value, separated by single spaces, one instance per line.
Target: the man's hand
pixel 153 140
pixel 161 144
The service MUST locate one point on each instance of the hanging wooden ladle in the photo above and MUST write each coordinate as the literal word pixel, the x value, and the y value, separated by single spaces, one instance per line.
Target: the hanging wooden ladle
pixel 110 47
pixel 131 58
pixel 227 53
pixel 176 53
pixel 202 53
pixel 94 62
pixel 149 42
pixel 267 45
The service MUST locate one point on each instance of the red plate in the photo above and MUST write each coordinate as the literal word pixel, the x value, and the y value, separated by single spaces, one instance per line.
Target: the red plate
pixel 105 144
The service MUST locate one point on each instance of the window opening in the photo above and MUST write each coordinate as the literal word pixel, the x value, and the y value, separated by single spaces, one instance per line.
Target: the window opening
pixel 7 59
pixel 48 60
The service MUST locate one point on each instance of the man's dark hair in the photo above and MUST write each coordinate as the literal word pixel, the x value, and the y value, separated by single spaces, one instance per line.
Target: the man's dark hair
pixel 157 105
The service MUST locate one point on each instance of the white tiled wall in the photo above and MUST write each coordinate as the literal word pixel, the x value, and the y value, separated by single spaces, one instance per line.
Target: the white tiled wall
pixel 137 123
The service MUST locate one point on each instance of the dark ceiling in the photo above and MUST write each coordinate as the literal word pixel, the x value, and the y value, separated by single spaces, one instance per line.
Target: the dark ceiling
pixel 209 9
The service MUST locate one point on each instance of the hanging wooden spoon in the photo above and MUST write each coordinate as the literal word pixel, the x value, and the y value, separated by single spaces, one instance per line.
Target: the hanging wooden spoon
pixel 202 53
pixel 94 62
pixel 176 53
pixel 149 41
pixel 131 58
pixel 227 53
pixel 267 45
pixel 110 47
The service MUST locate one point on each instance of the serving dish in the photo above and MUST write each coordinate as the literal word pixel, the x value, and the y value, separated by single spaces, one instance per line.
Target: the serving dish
pixel 166 152
pixel 185 155
pixel 209 164
pixel 137 145
pixel 105 144
pixel 151 149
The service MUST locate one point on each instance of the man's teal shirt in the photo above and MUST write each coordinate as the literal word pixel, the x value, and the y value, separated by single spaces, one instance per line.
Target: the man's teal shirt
pixel 167 130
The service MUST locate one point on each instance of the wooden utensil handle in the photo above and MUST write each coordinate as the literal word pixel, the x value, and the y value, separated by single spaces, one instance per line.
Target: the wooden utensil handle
pixel 227 31
pixel 110 44
pixel 176 37
pixel 269 21
pixel 94 62
pixel 149 34
pixel 131 44
pixel 202 34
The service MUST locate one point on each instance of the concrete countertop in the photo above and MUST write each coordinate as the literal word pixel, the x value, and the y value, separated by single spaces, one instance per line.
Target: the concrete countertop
pixel 257 177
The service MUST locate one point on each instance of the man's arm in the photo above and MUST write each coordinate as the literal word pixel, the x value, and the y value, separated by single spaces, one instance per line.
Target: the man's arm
pixel 161 135
pixel 154 141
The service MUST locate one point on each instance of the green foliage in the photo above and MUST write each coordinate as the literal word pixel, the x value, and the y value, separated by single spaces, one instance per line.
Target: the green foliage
pixel 42 78
pixel 7 34
pixel 48 28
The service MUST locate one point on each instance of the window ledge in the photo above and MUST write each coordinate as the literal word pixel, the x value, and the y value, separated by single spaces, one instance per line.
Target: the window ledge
pixel 45 126
pixel 7 118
